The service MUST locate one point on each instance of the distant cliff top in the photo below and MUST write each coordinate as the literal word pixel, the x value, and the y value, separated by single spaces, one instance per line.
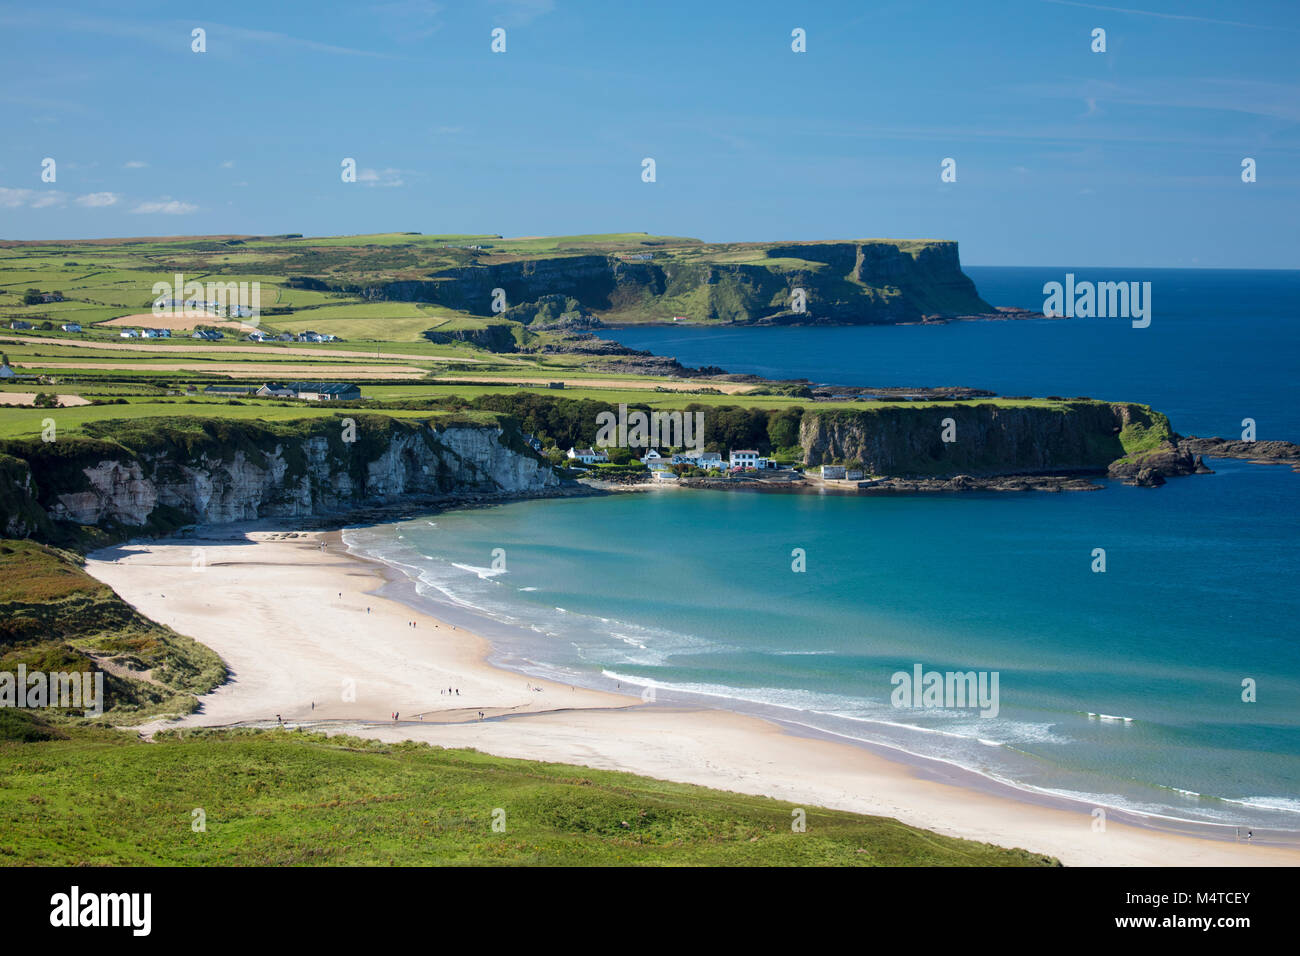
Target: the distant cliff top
pixel 619 278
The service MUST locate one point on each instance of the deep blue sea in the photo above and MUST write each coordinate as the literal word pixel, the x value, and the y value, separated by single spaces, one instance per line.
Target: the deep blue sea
pixel 1223 345
pixel 1121 688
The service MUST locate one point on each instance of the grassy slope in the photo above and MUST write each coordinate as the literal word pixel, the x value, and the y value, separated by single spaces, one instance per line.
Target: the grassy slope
pixel 55 617
pixel 290 798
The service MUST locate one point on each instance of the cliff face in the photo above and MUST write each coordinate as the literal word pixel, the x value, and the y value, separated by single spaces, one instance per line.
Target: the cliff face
pixel 1069 437
pixel 213 471
pixel 843 282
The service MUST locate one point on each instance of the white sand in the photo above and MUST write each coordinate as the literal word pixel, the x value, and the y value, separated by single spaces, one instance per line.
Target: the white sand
pixel 271 607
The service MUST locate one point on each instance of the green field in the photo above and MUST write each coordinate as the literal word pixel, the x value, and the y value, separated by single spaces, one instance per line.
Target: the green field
pixel 283 798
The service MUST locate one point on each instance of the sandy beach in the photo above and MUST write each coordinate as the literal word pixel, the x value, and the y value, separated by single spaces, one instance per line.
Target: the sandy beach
pixel 308 639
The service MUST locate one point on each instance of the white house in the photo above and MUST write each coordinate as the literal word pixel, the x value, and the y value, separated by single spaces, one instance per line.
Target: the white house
pixel 588 456
pixel 19 324
pixel 129 334
pixel 656 462
pixel 256 336
pixel 745 458
pixel 70 327
pixel 833 472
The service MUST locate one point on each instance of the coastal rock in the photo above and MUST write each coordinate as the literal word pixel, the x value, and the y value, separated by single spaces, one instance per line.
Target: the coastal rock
pixel 963 483
pixel 1070 437
pixel 1146 478
pixel 1273 451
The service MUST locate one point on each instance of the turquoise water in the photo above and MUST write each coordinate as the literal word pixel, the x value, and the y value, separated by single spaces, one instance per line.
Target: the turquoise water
pixel 694 592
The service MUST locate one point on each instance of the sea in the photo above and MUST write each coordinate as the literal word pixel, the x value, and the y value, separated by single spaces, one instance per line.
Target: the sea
pixel 1165 687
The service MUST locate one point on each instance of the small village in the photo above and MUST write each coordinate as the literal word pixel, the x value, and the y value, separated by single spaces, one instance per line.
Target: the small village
pixel 745 463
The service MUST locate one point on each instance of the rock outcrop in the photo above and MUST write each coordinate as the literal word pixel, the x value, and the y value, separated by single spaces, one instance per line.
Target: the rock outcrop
pixel 1278 451
pixel 988 440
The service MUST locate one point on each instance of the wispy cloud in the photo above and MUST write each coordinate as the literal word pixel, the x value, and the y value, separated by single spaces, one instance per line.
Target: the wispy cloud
pixel 408 20
pixel 1168 16
pixel 166 207
pixel 135 164
pixel 1250 97
pixel 14 198
pixel 175 35
pixel 50 198
pixel 380 177
pixel 97 200
pixel 518 13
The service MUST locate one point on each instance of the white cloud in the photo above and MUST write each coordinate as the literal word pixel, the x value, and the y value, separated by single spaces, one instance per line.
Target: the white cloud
pixel 135 164
pixel 96 200
pixel 228 164
pixel 380 177
pixel 167 207
pixel 31 198
pixel 13 198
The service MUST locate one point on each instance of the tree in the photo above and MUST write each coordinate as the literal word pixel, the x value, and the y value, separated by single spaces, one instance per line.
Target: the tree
pixel 783 427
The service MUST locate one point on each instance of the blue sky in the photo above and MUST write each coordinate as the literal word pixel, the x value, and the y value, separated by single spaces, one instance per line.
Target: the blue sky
pixel 1065 157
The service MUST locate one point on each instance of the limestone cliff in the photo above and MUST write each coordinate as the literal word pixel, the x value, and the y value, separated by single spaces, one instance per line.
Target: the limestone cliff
pixel 162 473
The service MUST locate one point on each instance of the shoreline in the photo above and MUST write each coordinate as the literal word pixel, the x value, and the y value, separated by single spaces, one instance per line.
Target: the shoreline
pixel 307 632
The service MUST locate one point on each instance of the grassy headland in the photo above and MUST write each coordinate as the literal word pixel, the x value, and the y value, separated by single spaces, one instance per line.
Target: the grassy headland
pixel 277 798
